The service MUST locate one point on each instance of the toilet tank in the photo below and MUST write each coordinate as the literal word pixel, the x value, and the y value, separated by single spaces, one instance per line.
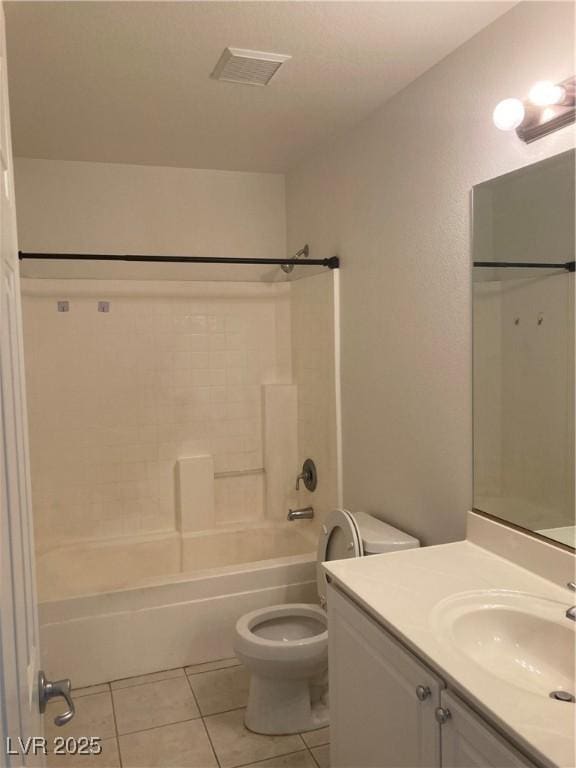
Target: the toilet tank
pixel 379 537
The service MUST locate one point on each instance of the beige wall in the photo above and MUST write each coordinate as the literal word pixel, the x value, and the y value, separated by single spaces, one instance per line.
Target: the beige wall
pixel 113 208
pixel 392 198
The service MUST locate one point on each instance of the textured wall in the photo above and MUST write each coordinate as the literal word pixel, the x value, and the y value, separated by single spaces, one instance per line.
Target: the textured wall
pixel 392 198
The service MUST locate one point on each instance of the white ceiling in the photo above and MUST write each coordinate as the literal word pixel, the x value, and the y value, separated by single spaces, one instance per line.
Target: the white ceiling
pixel 129 81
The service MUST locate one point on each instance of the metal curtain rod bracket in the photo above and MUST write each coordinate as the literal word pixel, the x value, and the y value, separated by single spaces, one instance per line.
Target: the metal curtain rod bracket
pixel 331 263
pixel 569 266
pixel 288 266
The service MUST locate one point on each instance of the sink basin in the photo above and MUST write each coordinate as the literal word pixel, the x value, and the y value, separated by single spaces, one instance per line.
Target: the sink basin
pixel 520 638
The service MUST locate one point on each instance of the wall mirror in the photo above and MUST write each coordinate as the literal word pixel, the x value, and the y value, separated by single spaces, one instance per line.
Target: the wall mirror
pixel 523 325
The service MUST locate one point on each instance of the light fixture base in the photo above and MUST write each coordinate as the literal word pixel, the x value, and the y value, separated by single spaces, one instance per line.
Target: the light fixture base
pixel 541 121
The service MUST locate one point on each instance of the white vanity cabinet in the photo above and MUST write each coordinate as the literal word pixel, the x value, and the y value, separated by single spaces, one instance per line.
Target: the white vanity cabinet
pixel 469 742
pixel 377 718
pixel 389 710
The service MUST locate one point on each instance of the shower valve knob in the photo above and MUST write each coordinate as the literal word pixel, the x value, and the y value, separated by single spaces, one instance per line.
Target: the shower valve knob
pixel 309 476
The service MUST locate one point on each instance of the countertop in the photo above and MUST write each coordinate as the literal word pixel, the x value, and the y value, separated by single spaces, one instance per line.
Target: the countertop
pixel 402 591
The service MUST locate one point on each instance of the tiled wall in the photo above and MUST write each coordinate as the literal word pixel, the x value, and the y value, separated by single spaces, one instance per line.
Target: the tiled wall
pixel 115 399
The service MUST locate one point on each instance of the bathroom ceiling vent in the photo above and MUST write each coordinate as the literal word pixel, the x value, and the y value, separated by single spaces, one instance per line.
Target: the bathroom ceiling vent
pixel 249 67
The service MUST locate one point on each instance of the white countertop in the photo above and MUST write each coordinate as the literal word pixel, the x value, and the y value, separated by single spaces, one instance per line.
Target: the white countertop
pixel 401 590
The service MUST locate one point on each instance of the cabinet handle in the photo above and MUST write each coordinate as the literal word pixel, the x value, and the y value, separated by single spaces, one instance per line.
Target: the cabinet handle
pixel 442 715
pixel 423 692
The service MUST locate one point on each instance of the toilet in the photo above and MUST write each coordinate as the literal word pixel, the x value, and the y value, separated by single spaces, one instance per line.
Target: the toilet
pixel 285 647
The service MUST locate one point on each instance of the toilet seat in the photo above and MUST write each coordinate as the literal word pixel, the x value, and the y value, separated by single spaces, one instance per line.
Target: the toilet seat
pixel 340 539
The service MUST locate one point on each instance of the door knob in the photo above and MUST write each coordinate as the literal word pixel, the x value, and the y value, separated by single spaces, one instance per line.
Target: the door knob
pixel 52 690
pixel 422 692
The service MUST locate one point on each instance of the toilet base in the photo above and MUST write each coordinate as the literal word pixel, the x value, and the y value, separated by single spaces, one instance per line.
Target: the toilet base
pixel 280 707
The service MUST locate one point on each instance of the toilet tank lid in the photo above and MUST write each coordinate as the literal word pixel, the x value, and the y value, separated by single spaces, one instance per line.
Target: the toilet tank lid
pixel 379 537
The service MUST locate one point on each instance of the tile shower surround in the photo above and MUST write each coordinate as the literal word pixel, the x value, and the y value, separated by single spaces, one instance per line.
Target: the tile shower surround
pixel 116 398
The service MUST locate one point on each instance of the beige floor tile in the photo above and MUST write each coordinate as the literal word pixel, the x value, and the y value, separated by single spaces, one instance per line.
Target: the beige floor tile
pixel 210 666
pixel 317 738
pixel 94 717
pixel 154 677
pixel 295 760
pixel 108 758
pixel 91 689
pixel 322 756
pixel 182 745
pixel 221 690
pixel 154 704
pixel 235 745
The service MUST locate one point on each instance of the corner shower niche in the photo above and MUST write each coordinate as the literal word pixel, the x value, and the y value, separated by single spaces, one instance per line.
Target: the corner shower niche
pixel 166 433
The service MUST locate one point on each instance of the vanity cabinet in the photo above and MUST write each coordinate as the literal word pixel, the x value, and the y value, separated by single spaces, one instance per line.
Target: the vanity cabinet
pixel 469 742
pixel 389 710
pixel 382 699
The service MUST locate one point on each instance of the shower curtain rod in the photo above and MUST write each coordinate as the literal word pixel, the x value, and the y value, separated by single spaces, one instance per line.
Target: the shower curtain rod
pixel 332 263
pixel 569 266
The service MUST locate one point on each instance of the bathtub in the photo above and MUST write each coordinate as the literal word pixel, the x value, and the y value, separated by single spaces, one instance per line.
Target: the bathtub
pixel 124 607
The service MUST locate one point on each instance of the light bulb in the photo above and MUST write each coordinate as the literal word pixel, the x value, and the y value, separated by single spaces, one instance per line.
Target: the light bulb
pixel 508 114
pixel 545 93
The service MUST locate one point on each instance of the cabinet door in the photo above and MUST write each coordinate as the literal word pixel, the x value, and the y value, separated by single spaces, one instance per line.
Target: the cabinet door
pixel 469 742
pixel 376 717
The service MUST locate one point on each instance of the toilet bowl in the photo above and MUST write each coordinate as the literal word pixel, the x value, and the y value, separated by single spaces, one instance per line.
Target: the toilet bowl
pixel 285 647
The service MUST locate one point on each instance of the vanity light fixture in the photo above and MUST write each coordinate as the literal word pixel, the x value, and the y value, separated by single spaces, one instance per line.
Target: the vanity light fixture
pixel 549 106
pixel 545 93
pixel 509 114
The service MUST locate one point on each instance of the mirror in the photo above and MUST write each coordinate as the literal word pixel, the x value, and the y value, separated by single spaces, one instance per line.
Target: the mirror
pixel 523 326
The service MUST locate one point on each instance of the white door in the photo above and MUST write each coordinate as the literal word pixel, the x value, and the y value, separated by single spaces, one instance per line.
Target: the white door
pixel 382 699
pixel 19 652
pixel 469 742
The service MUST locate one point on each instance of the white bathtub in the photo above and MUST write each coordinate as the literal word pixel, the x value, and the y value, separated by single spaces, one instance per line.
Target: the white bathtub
pixel 132 606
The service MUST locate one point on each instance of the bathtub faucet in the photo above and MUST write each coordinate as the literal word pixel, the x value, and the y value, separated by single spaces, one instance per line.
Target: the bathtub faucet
pixel 307 513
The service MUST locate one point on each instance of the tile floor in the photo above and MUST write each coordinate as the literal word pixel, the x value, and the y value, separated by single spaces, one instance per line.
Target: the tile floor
pixel 190 717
